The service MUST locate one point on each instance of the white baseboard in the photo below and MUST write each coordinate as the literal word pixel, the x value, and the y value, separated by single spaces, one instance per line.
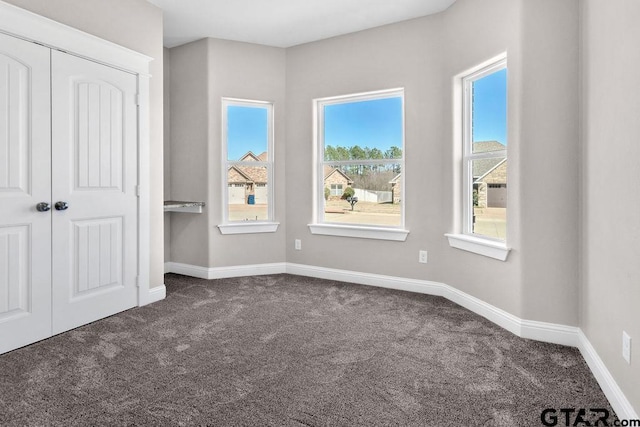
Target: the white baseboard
pixel 186 270
pixel 549 332
pixel 152 295
pixel 224 272
pixel 539 331
pixel 607 383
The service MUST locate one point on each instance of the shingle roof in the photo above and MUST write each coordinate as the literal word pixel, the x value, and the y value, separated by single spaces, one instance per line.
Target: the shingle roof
pixel 256 174
pixel 482 166
pixel 329 170
pixel 485 146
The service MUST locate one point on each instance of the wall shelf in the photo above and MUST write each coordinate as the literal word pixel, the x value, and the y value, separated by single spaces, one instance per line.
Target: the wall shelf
pixel 178 206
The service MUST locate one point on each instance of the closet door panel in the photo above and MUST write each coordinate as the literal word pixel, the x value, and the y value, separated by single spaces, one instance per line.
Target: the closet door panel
pixel 95 175
pixel 25 232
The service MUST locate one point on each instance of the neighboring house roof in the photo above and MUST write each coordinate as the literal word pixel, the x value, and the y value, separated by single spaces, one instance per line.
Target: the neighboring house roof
pixel 483 166
pixel 484 146
pixel 250 157
pixel 258 174
pixel 480 178
pixel 330 170
pixel 235 175
pixel 255 174
pixel 396 179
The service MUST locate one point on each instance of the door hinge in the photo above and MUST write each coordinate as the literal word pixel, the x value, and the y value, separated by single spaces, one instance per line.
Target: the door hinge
pixel 137 190
pixel 137 281
pixel 137 99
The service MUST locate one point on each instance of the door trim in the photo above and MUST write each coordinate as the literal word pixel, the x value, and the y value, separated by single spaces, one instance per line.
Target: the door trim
pixel 26 25
pixel 32 27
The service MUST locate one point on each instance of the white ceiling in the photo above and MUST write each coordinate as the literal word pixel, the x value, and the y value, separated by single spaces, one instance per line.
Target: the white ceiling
pixel 283 23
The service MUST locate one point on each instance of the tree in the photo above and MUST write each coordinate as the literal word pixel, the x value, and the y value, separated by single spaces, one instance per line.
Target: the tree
pixel 393 153
pixel 375 153
pixel 348 192
pixel 357 153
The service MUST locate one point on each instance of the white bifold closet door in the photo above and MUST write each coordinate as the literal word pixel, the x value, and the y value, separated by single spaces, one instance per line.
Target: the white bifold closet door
pixel 94 172
pixel 68 202
pixel 25 181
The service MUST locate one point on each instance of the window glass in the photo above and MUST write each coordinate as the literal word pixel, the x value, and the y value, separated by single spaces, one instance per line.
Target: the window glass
pixel 249 166
pixel 489 112
pixel 361 143
pixel 247 131
pixel 486 152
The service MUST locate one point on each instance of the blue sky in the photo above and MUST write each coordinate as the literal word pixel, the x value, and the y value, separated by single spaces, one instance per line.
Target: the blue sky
pixel 375 124
pixel 490 108
pixel 247 131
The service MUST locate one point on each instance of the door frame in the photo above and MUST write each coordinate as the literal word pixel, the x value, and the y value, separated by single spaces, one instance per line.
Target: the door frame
pixel 26 25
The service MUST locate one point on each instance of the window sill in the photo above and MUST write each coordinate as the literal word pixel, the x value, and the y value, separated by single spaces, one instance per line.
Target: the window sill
pixel 480 246
pixel 361 232
pixel 249 227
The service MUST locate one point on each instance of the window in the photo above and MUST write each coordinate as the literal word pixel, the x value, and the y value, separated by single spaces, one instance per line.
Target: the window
pixel 485 152
pixel 360 150
pixel 247 160
pixel 484 157
pixel 336 190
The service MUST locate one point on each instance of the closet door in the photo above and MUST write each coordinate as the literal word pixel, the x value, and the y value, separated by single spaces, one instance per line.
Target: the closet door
pixel 25 232
pixel 94 179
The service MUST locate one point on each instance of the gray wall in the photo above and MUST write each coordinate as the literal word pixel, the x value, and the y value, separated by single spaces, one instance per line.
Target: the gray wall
pixel 167 149
pixel 549 161
pixel 202 73
pixel 473 35
pixel 610 177
pixel 423 56
pixel 135 24
pixel 190 145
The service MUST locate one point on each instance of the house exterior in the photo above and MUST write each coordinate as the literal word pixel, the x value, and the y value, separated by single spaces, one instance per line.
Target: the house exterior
pixel 336 181
pixel 490 176
pixel 245 181
pixel 396 188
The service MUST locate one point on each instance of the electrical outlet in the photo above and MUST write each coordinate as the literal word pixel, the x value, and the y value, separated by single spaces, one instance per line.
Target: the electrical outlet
pixel 422 257
pixel 298 244
pixel 626 347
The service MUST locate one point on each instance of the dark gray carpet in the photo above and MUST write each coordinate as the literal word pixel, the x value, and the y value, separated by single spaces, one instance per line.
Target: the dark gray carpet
pixel 288 351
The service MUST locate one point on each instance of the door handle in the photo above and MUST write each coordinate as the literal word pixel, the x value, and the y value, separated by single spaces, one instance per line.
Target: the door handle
pixel 43 207
pixel 61 206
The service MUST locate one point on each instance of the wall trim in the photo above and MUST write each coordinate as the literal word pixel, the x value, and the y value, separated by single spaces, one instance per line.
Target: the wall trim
pixel 540 331
pixel 607 383
pixel 224 272
pixel 32 27
pixel 152 295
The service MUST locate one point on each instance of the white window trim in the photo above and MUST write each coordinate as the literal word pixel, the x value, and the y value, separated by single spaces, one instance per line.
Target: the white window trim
pixel 247 227
pixel 479 245
pixel 359 231
pixel 364 231
pixel 466 239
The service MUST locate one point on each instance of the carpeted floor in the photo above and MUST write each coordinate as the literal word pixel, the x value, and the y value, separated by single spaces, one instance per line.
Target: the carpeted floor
pixel 286 350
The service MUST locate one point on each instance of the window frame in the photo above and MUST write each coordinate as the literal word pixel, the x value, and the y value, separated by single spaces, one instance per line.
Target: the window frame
pixel 468 156
pixel 335 188
pixel 466 239
pixel 368 231
pixel 260 226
